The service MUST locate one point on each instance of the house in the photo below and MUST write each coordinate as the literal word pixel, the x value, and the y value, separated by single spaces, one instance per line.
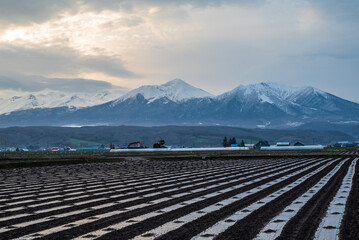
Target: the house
pixel 345 144
pixel 298 144
pixel 11 149
pixel 136 145
pixel 337 145
pixel 350 145
pixel 261 144
pixel 283 144
pixel 249 145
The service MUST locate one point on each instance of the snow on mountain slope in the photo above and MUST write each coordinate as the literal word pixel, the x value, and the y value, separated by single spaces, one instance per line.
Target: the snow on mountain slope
pixel 53 99
pixel 263 104
pixel 176 90
pixel 273 93
pixel 266 90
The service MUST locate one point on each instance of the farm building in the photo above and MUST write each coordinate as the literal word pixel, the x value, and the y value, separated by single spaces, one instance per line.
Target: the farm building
pixel 283 144
pixel 169 149
pixel 135 145
pixel 298 144
pixel 261 144
pixel 249 145
pixel 54 149
pixel 345 144
pixel 312 147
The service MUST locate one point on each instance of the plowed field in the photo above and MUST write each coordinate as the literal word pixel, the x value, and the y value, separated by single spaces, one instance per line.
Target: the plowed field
pixel 281 198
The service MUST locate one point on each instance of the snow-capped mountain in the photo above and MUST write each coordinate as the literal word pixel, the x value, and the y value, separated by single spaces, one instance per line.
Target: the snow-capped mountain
pixel 272 93
pixel 266 91
pixel 268 105
pixel 176 90
pixel 290 100
pixel 55 99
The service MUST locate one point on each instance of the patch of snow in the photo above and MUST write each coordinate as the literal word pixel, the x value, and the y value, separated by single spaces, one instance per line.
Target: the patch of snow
pixel 294 124
pixel 263 125
pixel 265 98
pixel 348 122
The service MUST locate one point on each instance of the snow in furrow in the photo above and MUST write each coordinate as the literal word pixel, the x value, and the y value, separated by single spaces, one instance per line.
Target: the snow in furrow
pixel 48 185
pixel 137 219
pixel 117 186
pixel 128 182
pixel 127 177
pixel 136 198
pixel 222 225
pixel 176 180
pixel 275 227
pixel 329 227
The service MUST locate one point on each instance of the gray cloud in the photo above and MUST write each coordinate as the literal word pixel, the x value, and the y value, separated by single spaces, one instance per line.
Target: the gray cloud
pixel 57 60
pixel 30 11
pixel 38 83
pixel 322 57
pixel 27 11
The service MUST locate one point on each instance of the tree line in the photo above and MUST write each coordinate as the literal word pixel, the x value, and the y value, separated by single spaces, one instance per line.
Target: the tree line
pixel 228 142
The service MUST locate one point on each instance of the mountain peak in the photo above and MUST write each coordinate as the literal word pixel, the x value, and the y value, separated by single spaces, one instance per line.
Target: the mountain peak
pixel 175 90
pixel 175 81
pixel 274 93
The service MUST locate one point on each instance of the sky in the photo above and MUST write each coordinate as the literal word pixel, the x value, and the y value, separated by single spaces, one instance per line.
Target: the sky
pixel 211 44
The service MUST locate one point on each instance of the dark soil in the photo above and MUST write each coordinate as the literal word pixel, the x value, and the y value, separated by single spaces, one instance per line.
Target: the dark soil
pixel 190 229
pixel 305 223
pixel 350 224
pixel 162 179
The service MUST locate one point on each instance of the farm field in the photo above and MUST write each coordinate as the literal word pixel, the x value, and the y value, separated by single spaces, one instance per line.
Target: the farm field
pixel 284 197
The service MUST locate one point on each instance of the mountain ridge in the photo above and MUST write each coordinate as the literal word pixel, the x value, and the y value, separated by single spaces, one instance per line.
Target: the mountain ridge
pixel 53 99
pixel 175 90
pixel 265 105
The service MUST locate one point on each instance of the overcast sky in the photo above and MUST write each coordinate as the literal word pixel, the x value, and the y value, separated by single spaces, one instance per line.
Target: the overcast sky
pixel 215 45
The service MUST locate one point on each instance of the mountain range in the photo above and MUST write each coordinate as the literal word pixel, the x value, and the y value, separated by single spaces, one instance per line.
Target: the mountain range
pixel 263 105
pixel 54 99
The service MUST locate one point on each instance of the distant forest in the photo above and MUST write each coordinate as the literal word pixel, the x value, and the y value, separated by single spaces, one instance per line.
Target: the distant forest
pixel 176 136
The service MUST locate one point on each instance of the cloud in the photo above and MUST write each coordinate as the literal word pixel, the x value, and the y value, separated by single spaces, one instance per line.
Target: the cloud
pixel 58 60
pixel 27 11
pixel 211 43
pixel 38 83
pixel 23 12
